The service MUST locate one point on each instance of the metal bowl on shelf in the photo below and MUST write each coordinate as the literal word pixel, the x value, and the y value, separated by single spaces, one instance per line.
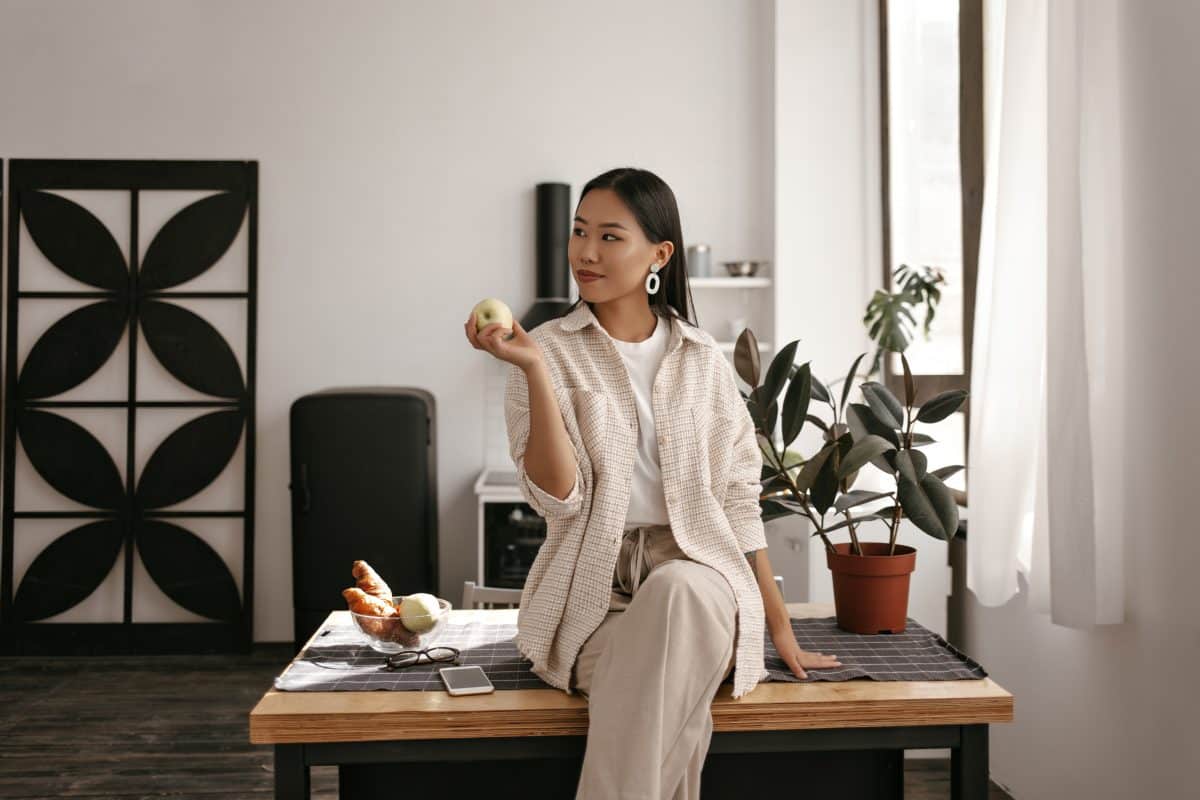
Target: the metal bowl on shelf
pixel 742 269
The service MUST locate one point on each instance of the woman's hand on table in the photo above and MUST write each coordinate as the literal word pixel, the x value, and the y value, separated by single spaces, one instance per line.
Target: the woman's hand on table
pixel 795 657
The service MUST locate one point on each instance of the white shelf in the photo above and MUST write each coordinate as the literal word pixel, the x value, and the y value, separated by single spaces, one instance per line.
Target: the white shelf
pixel 730 282
pixel 729 347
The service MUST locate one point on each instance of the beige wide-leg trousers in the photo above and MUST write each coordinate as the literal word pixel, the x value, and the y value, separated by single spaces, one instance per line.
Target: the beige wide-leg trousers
pixel 651 670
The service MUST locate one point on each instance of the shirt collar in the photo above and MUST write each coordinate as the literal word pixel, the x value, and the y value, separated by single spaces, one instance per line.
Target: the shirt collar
pixel 581 316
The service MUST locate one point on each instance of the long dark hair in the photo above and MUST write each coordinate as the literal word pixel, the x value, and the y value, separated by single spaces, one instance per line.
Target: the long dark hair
pixel 653 206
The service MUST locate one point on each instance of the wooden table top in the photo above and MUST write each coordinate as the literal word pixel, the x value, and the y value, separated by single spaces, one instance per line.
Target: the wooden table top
pixel 298 717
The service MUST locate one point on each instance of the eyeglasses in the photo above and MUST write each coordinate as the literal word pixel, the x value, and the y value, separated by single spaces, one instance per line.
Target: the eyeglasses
pixel 407 658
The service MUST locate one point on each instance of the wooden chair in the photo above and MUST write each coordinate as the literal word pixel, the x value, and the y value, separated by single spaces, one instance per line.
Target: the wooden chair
pixel 489 596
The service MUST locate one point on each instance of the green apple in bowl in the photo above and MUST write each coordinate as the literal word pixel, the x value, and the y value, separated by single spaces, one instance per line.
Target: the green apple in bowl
pixel 491 310
pixel 419 612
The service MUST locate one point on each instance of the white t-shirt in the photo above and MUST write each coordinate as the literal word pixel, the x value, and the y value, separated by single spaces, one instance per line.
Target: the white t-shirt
pixel 647 504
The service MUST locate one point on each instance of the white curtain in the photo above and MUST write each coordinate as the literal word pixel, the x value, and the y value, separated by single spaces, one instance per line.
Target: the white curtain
pixel 1048 384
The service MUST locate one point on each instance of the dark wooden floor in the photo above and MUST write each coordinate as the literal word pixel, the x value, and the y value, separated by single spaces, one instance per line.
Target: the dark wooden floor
pixel 175 726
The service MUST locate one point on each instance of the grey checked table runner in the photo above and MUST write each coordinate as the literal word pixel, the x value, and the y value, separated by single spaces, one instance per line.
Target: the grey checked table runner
pixel 339 660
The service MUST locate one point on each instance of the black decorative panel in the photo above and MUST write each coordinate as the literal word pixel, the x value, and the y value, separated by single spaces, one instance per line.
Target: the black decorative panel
pixel 114 515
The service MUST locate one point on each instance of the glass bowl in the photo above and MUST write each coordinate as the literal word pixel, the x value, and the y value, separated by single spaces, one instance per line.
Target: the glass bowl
pixel 389 635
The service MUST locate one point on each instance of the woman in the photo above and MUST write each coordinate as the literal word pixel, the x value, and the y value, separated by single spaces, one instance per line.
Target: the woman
pixel 630 437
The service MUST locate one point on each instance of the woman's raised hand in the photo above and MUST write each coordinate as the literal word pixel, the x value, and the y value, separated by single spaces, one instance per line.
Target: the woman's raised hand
pixel 519 349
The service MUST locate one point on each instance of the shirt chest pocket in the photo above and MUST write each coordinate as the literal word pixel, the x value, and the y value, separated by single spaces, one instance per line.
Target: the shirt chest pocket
pixel 590 408
pixel 715 435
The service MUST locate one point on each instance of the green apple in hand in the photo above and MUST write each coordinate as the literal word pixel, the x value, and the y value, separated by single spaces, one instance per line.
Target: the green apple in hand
pixel 491 310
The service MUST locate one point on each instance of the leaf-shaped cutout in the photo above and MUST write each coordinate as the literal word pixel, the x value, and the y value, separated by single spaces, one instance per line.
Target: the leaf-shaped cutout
pixel 191 349
pixel 70 459
pixel 189 459
pixel 74 240
pixel 73 349
pixel 188 571
pixel 191 241
pixel 68 570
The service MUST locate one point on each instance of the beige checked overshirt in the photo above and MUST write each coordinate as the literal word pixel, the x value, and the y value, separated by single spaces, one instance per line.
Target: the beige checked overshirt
pixel 711 469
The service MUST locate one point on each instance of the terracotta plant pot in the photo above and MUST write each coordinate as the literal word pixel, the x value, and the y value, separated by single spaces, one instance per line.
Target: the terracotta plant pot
pixel 870 592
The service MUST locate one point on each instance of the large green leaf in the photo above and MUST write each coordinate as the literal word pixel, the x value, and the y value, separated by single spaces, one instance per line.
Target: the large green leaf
pixel 808 474
pixel 857 498
pixel 825 485
pixel 885 312
pixel 885 512
pixel 916 460
pixel 758 413
pixel 883 404
pixel 861 452
pixel 942 406
pixel 795 403
pixel 746 358
pixel 925 499
pixel 910 390
pixel 777 373
pixel 773 481
pixel 856 520
pixel 835 431
pixel 790 505
pixel 771 509
pixel 819 391
pixel 862 423
pixel 946 472
pixel 849 381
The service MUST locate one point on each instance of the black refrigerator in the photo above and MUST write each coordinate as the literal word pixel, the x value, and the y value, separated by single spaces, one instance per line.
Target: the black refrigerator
pixel 363 486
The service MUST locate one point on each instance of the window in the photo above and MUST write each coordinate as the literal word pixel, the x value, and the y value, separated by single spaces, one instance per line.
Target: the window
pixel 931 80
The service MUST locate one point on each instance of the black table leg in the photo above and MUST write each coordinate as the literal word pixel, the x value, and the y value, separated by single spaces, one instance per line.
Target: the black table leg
pixel 969 764
pixel 291 773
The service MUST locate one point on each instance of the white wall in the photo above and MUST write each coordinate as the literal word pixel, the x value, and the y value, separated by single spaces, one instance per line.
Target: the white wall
pixel 1111 713
pixel 399 145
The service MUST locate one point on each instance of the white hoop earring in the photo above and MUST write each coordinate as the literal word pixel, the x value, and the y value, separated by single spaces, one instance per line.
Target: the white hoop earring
pixel 652 280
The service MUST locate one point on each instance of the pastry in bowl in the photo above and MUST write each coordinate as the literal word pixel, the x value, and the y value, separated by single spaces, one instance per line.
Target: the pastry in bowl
pixel 369 580
pixel 392 623
pixel 383 622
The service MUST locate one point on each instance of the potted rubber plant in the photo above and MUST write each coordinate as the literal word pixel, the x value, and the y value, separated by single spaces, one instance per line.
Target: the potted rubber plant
pixel 870 579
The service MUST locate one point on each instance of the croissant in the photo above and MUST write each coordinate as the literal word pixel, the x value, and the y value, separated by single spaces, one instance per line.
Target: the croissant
pixel 368 604
pixel 370 582
pixel 382 619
